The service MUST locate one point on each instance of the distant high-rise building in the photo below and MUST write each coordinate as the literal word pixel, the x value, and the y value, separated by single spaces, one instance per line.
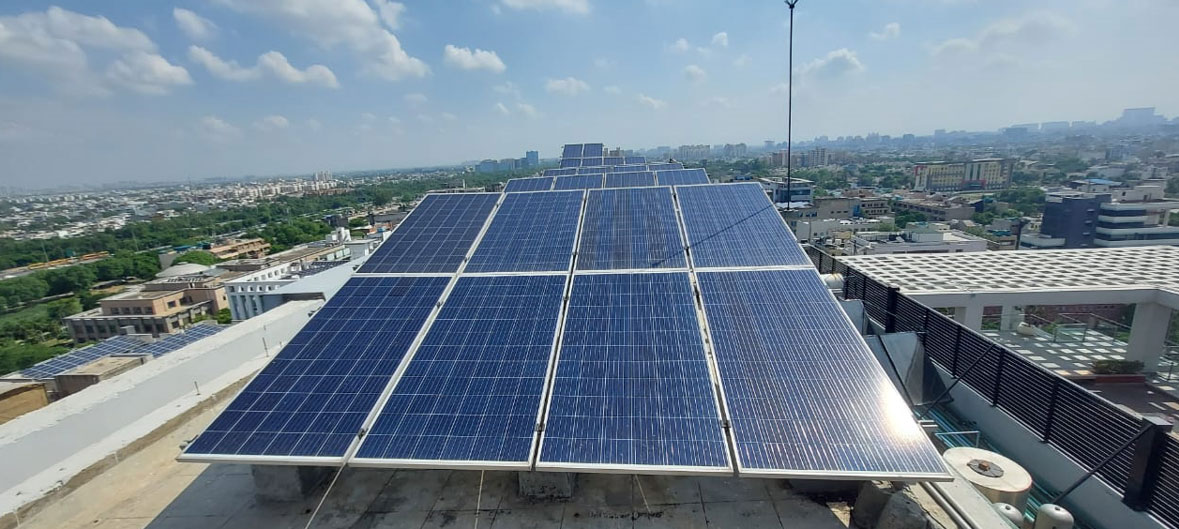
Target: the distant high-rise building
pixel 323 176
pixel 532 159
pixel 731 151
pixel 983 173
pixel 693 152
pixel 769 145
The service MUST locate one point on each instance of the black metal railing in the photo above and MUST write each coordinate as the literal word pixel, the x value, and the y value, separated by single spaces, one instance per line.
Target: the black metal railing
pixel 1083 426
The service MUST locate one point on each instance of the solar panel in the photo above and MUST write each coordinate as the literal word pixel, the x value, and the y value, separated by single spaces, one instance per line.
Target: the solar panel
pixel 593 170
pixel 570 162
pixel 79 357
pixel 591 162
pixel 805 396
pixel 471 395
pixel 312 398
pixel 593 150
pixel 632 228
pixel 592 181
pixel 736 225
pixel 543 183
pixel 635 160
pixel 666 166
pixel 635 179
pixel 613 160
pixel 560 172
pixel 632 387
pixel 530 232
pixel 435 237
pixel 172 342
pixel 572 150
pixel 679 177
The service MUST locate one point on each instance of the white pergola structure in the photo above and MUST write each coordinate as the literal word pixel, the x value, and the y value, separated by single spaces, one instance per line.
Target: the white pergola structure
pixel 1146 276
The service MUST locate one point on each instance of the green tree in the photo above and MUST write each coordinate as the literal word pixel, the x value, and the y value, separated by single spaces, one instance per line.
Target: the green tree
pixel 200 257
pixel 905 217
pixel 224 317
pixel 70 279
pixel 357 222
pixel 381 196
pixel 62 308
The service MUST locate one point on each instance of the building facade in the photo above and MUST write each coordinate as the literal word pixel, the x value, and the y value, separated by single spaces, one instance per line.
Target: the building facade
pixel 980 174
pixel 1137 216
pixel 240 248
pixel 933 210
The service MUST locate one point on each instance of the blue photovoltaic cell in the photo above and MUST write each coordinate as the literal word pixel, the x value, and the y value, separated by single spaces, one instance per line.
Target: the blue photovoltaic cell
pixel 591 162
pixel 311 400
pixel 593 150
pixel 630 229
pixel 80 357
pixel 627 168
pixel 679 177
pixel 632 384
pixel 665 166
pixel 634 160
pixel 572 150
pixel 614 160
pixel 435 237
pixel 591 181
pixel 473 389
pixel 543 183
pixel 636 179
pixel 570 162
pixel 560 172
pixel 530 232
pixel 172 342
pixel 736 225
pixel 803 391
pixel 593 170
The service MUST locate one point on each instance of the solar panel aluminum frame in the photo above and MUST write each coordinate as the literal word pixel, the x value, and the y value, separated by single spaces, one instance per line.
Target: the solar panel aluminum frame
pixel 798 474
pixel 655 470
pixel 463 264
pixel 683 222
pixel 397 375
pixel 572 255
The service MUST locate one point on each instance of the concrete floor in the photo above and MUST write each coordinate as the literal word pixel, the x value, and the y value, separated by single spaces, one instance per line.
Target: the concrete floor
pixel 150 490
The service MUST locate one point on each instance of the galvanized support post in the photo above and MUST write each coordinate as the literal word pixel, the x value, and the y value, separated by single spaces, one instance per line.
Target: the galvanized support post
pixel 1145 463
pixel 890 317
pixel 1055 396
pixel 998 378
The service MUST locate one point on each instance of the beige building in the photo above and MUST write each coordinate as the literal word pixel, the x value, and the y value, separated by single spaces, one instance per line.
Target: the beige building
pixel 163 306
pixel 934 210
pixel 983 173
pixel 240 248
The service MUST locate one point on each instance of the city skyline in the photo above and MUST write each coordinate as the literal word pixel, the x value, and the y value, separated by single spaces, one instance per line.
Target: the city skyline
pixel 139 91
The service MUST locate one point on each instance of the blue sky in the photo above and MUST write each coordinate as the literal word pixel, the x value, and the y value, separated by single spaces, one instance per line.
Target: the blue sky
pixel 151 90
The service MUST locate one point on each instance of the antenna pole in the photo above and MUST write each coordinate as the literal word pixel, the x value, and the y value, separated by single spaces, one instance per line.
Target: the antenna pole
pixel 790 104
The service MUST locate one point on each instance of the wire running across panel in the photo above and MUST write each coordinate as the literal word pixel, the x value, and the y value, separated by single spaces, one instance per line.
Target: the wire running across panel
pixel 632 391
pixel 679 177
pixel 435 237
pixel 173 342
pixel 540 183
pixel 79 357
pixel 311 400
pixel 471 394
pixel 590 181
pixel 531 232
pixel 632 179
pixel 731 225
pixel 633 228
pixel 805 396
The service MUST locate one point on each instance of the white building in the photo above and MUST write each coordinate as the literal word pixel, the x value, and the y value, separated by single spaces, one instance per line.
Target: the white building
pixel 933 237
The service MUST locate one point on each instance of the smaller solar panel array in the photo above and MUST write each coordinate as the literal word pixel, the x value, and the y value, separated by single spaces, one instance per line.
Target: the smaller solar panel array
pixel 79 357
pixel 173 342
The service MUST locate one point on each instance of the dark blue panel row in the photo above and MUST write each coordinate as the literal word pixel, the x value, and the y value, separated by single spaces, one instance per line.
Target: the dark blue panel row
pixel 570 162
pixel 560 172
pixel 531 232
pixel 803 391
pixel 630 229
pixel 592 162
pixel 666 166
pixel 679 177
pixel 572 150
pixel 80 357
pixel 634 160
pixel 172 342
pixel 593 170
pixel 592 181
pixel 736 225
pixel 593 150
pixel 473 389
pixel 633 179
pixel 435 237
pixel 542 183
pixel 311 400
pixel 632 384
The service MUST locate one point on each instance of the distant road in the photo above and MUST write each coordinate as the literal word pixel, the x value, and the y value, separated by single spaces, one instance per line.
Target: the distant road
pixel 24 270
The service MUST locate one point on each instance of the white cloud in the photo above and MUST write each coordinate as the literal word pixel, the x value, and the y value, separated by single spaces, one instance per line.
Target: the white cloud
pixel 390 12
pixel 394 120
pixel 416 99
pixel 449 117
pixel 508 88
pixel 742 61
pixel 680 45
pixel 424 118
pixel 721 40
pixel 577 7
pixel 527 110
pixel 314 124
pixel 891 30
pixel 216 129
pixel 466 59
pixel 349 23
pixel 273 122
pixel 569 86
pixel 779 89
pixel 614 90
pixel 695 73
pixel 1010 34
pixel 651 102
pixel 194 25
pixel 502 109
pixel 717 101
pixel 603 63
pixel 835 64
pixel 86 30
pixel 271 62
pixel 147 73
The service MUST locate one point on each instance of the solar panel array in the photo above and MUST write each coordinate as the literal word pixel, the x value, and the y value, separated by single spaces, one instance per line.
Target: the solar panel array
pixel 172 342
pixel 541 183
pixel 610 324
pixel 80 357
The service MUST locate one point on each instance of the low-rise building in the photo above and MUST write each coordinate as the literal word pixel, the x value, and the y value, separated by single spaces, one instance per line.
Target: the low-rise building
pixel 261 276
pixel 240 248
pixel 982 173
pixel 162 306
pixel 821 229
pixel 921 237
pixel 1118 216
pixel 780 191
pixel 934 210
